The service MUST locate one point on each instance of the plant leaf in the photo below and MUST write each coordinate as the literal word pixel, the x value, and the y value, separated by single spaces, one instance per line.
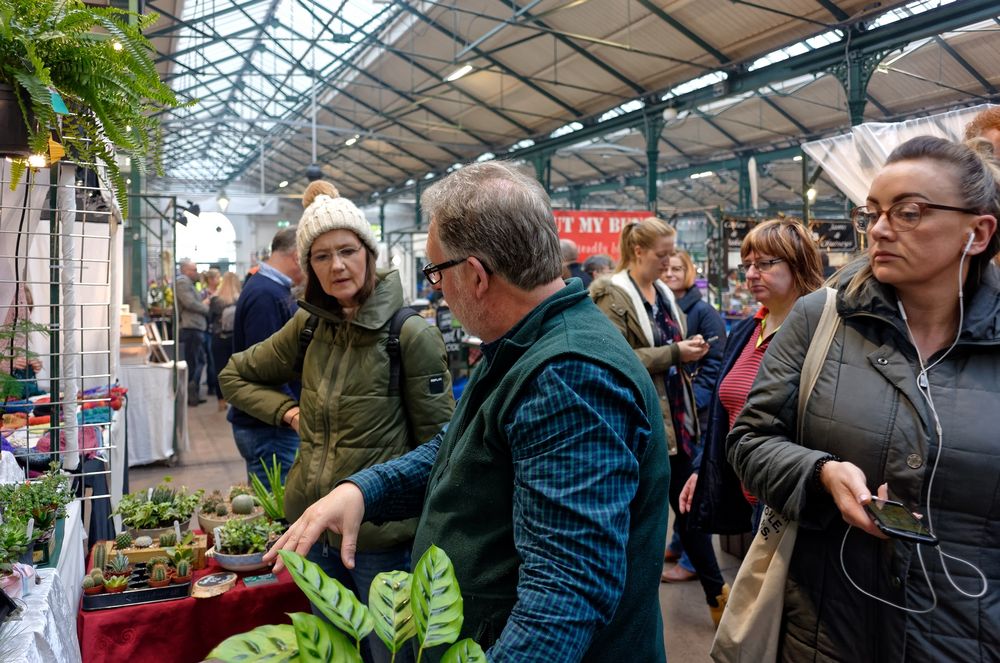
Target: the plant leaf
pixel 464 651
pixel 436 598
pixel 319 641
pixel 272 643
pixel 389 602
pixel 335 601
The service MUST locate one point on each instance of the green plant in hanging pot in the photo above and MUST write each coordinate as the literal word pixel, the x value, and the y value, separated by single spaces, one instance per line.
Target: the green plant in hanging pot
pixel 84 76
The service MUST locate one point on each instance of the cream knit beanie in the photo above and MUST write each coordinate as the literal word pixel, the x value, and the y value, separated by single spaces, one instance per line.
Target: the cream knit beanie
pixel 325 213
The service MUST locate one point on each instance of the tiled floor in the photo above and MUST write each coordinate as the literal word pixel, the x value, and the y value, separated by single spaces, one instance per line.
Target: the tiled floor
pixel 213 462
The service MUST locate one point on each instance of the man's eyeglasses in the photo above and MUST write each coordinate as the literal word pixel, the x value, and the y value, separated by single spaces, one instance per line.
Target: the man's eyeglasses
pixel 902 216
pixel 432 272
pixel 323 258
pixel 763 266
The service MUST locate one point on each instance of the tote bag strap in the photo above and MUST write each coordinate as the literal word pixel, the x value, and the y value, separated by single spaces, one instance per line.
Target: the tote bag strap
pixel 816 355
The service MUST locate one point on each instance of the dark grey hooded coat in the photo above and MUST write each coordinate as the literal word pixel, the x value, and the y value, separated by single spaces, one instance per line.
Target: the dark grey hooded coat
pixel 866 408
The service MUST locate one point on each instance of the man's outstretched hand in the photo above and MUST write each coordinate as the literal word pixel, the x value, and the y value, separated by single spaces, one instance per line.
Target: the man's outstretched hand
pixel 341 511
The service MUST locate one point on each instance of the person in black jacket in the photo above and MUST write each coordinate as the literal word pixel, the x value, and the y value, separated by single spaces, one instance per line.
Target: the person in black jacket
pixel 705 320
pixel 264 306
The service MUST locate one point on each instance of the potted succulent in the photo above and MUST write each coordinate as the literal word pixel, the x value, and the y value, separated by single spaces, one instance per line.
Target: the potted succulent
pixel 158 576
pixel 82 77
pixel 115 584
pixel 182 572
pixel 14 544
pixel 272 497
pixel 240 545
pixel 216 510
pixel 119 565
pixel 93 583
pixel 153 512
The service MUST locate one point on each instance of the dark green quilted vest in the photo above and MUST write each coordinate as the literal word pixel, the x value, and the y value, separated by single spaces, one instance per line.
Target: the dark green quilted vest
pixel 468 506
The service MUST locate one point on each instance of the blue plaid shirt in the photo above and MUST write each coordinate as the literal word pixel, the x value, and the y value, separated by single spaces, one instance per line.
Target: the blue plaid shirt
pixel 575 438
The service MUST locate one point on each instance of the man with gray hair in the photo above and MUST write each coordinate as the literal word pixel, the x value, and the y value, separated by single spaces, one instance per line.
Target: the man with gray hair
pixel 193 323
pixel 548 490
pixel 571 262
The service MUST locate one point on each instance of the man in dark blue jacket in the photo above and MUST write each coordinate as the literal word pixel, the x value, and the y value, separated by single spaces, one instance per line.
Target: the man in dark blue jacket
pixel 265 305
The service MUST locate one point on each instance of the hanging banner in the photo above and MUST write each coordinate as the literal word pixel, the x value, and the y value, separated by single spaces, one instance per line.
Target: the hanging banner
pixel 736 228
pixel 595 231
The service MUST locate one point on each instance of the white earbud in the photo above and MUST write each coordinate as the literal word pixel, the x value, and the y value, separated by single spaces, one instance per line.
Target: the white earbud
pixel 968 245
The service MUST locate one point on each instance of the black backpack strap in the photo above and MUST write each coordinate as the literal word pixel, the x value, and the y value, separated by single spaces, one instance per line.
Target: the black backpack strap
pixel 392 346
pixel 305 338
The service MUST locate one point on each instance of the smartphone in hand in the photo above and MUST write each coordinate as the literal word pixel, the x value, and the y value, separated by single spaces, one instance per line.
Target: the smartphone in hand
pixel 895 520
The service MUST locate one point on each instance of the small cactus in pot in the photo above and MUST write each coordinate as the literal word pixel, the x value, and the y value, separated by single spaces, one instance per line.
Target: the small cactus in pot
pixel 97 575
pixel 158 576
pixel 222 510
pixel 92 586
pixel 143 542
pixel 168 539
pixel 100 557
pixel 183 572
pixel 123 541
pixel 243 505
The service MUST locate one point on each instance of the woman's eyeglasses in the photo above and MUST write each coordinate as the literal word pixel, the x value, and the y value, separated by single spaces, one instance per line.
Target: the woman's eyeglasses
pixel 763 266
pixel 902 216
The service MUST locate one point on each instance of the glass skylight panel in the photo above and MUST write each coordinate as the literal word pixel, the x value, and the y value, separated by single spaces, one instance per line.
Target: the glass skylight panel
pixel 909 9
pixel 695 84
pixel 566 129
pixel 627 107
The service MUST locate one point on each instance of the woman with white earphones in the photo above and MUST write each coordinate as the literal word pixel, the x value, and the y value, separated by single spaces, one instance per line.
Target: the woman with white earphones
pixel 907 407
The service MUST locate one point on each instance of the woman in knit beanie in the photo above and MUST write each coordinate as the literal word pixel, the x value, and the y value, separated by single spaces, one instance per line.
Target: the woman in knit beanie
pixel 348 417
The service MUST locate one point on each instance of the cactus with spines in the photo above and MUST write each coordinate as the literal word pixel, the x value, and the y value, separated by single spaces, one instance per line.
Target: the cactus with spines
pixel 116 582
pixel 100 557
pixel 143 542
pixel 97 575
pixel 168 539
pixel 88 582
pixel 159 559
pixel 222 510
pixel 183 568
pixel 239 489
pixel 159 573
pixel 123 541
pixel 119 564
pixel 243 505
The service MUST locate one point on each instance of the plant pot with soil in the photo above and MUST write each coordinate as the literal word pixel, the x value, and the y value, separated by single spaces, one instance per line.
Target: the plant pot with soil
pixel 153 512
pixel 240 545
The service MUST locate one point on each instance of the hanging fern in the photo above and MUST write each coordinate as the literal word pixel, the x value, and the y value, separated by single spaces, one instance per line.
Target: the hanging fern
pixel 113 94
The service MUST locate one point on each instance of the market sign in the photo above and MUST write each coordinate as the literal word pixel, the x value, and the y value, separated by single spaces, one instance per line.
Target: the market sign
pixel 834 235
pixel 595 231
pixel 736 229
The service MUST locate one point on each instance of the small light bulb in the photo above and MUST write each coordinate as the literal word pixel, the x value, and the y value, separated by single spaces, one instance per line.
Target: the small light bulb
pixel 37 161
pixel 811 194
pixel 282 184
pixel 117 45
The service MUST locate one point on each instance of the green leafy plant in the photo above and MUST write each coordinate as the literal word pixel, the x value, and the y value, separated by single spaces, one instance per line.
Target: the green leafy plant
pixel 179 554
pixel 243 537
pixel 13 543
pixel 159 508
pixel 427 604
pixel 43 499
pixel 272 500
pixel 98 62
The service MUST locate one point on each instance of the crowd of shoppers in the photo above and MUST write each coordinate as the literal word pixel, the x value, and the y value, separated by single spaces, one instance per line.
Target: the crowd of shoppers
pixel 608 391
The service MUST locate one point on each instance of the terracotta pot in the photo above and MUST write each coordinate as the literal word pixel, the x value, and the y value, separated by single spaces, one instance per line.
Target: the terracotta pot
pixel 115 590
pixel 178 580
pixel 113 574
pixel 96 589
pixel 159 583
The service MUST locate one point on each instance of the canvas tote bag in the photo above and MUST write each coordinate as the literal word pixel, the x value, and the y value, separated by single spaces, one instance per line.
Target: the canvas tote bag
pixel 751 623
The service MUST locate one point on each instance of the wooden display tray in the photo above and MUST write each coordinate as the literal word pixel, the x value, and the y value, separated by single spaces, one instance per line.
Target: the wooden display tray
pixel 143 555
pixel 138 592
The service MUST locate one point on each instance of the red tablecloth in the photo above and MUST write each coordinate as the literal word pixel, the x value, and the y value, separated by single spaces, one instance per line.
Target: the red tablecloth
pixel 186 630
